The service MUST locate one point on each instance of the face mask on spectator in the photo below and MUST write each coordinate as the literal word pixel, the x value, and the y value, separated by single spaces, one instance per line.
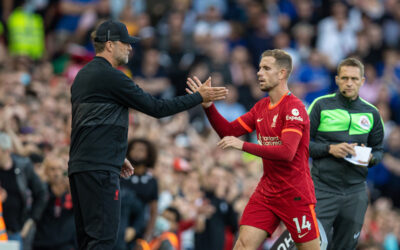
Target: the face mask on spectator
pixel 162 225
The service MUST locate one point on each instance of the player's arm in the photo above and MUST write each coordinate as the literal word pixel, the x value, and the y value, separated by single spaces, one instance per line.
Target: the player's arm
pixel 128 94
pixel 222 126
pixel 375 139
pixel 317 149
pixel 285 152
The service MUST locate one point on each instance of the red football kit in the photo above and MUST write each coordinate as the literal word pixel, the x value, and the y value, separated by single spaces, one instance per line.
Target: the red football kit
pixel 285 191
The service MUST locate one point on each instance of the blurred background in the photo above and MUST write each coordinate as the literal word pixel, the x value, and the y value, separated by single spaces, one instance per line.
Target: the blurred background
pixel 183 183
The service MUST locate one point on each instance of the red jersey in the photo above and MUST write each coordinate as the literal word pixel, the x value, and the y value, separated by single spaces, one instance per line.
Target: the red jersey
pixel 283 134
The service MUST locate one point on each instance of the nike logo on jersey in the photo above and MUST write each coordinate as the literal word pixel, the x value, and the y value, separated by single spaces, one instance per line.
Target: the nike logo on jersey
pixel 259 119
pixel 356 235
pixel 302 235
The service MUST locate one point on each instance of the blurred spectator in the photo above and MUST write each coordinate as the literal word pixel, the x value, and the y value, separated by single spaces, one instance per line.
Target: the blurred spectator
pixel 313 76
pixel 391 23
pixel 230 108
pixel 26 33
pixel 117 7
pixel 218 54
pixel 303 34
pixel 56 227
pixel 165 230
pixel 371 85
pixel 176 47
pixel 391 161
pixel 211 26
pixel 152 77
pixel 210 231
pixel 143 156
pixel 258 37
pixel 26 193
pixel 336 35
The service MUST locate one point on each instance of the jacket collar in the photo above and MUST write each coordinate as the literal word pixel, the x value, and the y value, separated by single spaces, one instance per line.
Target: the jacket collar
pixel 345 100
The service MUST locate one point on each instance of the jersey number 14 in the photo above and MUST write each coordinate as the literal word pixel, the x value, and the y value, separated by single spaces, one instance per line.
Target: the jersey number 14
pixel 305 224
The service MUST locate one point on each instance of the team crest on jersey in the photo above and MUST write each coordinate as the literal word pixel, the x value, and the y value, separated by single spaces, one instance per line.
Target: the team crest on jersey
pixel 274 121
pixel 295 112
pixel 364 122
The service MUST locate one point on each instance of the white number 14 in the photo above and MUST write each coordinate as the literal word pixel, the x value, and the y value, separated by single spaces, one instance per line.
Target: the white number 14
pixel 304 224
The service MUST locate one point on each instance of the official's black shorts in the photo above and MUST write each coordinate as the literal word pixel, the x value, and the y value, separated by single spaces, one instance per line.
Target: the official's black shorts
pixel 97 205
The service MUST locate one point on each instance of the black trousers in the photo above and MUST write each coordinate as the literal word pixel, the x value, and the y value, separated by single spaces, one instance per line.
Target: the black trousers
pixel 97 207
pixel 342 217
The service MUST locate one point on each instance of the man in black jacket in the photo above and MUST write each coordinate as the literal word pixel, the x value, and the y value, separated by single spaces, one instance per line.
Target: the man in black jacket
pixel 339 122
pixel 101 96
pixel 26 193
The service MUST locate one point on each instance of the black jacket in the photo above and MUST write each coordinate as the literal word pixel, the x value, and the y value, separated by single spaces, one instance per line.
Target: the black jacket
pixel 33 191
pixel 101 96
pixel 335 119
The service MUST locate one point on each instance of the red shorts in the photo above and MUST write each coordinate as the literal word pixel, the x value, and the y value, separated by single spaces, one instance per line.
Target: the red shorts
pixel 300 221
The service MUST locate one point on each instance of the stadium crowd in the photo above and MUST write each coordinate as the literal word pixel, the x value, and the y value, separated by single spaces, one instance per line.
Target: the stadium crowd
pixel 179 169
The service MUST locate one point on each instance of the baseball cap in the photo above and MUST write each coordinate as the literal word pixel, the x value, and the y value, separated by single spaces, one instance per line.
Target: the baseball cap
pixel 111 30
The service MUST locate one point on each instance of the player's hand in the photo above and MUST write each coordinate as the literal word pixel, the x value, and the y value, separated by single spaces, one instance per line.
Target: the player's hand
pixel 206 91
pixel 127 169
pixel 230 142
pixel 343 149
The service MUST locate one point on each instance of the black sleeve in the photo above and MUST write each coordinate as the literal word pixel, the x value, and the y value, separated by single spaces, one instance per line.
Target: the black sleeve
pixel 154 188
pixel 232 219
pixel 375 139
pixel 39 193
pixel 128 94
pixel 317 149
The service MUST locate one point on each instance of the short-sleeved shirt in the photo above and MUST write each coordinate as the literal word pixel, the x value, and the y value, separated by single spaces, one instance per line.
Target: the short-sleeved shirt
pixel 283 182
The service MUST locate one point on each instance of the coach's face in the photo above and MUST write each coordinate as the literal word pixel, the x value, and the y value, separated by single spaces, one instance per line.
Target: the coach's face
pixel 121 52
pixel 268 74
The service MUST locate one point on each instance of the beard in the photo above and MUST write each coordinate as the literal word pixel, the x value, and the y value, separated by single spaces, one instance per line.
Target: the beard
pixel 138 162
pixel 122 60
pixel 268 87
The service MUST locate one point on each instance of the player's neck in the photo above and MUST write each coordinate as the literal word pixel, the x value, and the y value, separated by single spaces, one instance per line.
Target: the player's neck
pixel 275 95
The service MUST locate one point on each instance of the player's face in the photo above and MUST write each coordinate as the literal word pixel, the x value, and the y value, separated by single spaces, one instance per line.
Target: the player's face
pixel 349 81
pixel 268 74
pixel 121 52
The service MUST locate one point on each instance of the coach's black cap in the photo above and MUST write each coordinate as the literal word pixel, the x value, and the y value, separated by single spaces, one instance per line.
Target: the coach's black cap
pixel 114 31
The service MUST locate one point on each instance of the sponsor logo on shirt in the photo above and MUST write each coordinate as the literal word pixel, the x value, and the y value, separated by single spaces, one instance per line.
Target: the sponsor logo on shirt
pixel 364 122
pixel 295 112
pixel 292 118
pixel 268 140
pixel 274 121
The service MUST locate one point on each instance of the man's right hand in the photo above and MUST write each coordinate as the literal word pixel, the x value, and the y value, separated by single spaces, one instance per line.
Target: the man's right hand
pixel 342 150
pixel 208 93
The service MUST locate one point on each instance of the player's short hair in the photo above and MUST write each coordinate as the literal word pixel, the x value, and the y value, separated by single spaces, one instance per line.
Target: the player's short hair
pixel 282 59
pixel 352 62
pixel 98 46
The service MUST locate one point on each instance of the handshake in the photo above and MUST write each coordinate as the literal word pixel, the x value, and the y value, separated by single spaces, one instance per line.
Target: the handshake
pixel 207 92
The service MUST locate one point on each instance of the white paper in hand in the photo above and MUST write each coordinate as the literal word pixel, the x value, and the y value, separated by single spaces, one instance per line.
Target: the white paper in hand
pixel 362 155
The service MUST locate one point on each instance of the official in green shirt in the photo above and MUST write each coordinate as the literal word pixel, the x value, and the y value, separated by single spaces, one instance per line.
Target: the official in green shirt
pixel 339 122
